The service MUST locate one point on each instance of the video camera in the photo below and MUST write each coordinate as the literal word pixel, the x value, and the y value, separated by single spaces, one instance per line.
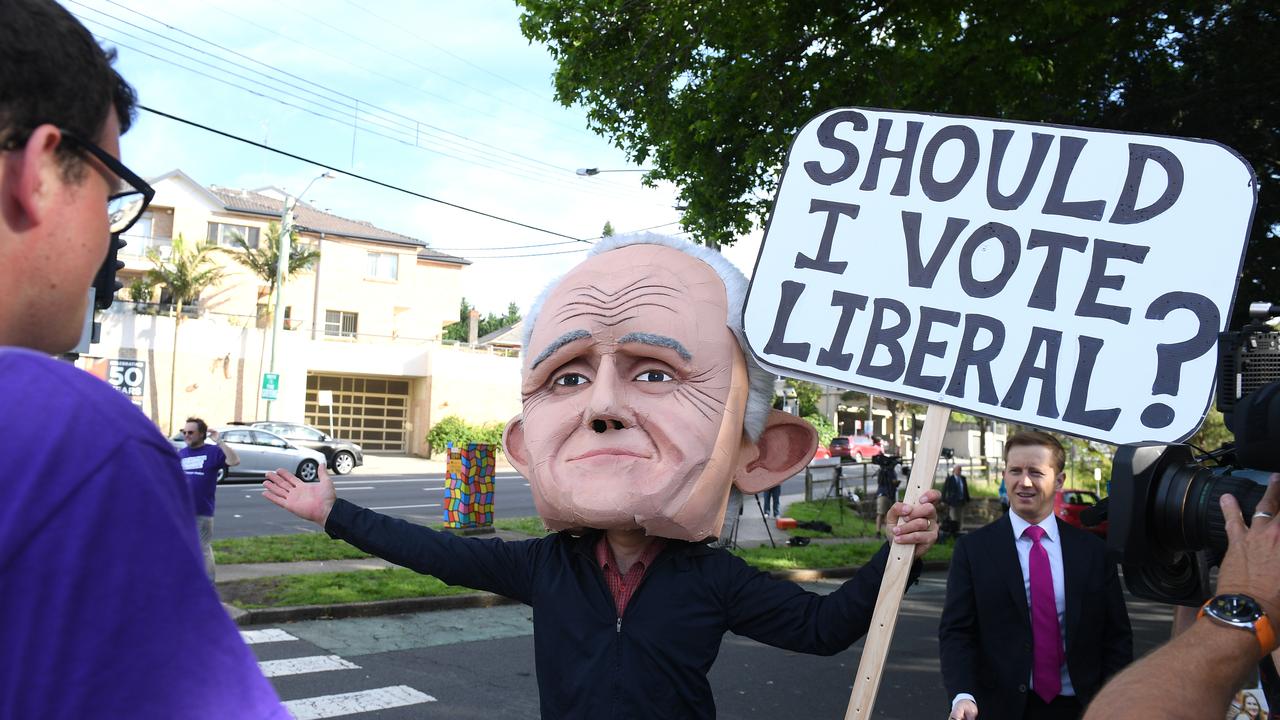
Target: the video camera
pixel 1165 523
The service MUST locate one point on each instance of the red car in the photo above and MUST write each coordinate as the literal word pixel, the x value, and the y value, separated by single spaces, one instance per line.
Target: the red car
pixel 854 447
pixel 1067 504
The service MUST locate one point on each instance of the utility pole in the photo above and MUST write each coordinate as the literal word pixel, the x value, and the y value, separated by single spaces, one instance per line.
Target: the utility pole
pixel 282 268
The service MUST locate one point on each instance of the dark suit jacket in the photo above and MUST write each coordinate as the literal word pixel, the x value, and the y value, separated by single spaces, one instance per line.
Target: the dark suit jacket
pixel 953 493
pixel 985 632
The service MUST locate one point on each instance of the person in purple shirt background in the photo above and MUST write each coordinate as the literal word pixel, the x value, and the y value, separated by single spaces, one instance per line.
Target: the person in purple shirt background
pixel 105 610
pixel 202 464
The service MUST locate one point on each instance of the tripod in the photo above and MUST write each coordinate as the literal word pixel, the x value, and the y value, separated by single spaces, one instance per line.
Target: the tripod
pixel 732 542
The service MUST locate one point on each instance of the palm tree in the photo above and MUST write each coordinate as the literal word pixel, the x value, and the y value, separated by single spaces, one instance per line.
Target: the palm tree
pixel 186 273
pixel 262 260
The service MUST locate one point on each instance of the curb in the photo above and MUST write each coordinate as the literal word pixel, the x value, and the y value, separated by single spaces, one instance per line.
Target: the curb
pixel 466 601
pixel 372 608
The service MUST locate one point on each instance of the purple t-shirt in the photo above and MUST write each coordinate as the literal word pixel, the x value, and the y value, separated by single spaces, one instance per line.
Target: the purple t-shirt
pixel 201 466
pixel 105 609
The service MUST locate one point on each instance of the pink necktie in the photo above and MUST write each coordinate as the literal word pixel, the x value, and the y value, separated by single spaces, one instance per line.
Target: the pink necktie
pixel 1046 663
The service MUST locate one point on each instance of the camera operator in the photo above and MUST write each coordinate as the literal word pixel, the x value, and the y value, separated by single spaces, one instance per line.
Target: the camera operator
pixel 1194 675
pixel 886 487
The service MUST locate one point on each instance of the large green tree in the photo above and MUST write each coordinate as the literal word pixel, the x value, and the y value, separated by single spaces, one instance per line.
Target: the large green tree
pixel 709 94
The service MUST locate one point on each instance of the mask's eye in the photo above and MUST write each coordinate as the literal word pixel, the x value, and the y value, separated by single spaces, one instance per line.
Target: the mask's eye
pixel 656 376
pixel 571 380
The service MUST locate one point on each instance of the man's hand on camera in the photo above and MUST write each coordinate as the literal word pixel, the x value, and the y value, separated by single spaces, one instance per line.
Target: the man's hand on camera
pixel 1252 563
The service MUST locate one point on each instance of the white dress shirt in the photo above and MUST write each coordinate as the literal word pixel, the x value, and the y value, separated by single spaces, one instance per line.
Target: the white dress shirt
pixel 1052 545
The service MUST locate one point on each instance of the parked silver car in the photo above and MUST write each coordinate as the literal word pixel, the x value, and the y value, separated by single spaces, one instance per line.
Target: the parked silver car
pixel 261 451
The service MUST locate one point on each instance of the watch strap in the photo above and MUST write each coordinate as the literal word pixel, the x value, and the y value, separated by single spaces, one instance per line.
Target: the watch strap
pixel 1262 629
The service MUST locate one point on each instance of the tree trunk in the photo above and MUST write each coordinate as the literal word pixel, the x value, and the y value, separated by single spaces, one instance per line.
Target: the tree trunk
pixel 173 362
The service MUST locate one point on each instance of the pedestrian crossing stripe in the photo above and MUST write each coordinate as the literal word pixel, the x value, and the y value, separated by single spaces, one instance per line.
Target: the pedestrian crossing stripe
pixel 253 637
pixel 327 706
pixel 303 665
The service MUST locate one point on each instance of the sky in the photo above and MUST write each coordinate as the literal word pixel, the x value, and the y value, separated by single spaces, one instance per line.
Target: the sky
pixel 445 99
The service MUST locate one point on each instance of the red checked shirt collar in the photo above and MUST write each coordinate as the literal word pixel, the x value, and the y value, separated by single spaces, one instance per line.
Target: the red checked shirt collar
pixel 622 587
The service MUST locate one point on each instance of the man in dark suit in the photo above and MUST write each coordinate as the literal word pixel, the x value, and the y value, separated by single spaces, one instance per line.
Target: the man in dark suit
pixel 955 493
pixel 1034 621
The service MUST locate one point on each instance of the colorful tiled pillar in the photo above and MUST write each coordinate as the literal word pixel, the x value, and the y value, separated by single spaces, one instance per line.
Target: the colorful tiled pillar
pixel 468 491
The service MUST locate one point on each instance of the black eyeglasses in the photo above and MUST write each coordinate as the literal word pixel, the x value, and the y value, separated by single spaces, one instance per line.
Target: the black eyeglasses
pixel 132 194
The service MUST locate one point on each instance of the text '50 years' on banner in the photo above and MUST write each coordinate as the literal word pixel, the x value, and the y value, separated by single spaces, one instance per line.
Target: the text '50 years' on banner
pixel 1056 276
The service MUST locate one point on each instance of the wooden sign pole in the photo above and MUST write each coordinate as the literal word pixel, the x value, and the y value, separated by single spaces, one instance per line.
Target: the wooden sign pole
pixel 897 570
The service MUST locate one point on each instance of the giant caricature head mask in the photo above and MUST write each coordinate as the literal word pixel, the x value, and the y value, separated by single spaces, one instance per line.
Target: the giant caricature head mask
pixel 635 394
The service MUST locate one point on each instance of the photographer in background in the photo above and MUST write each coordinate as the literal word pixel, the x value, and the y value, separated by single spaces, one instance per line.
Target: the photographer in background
pixel 1195 675
pixel 105 611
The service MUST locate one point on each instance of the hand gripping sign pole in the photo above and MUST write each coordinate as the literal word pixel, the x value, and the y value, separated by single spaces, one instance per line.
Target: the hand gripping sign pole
pixel 896 571
pixel 1027 272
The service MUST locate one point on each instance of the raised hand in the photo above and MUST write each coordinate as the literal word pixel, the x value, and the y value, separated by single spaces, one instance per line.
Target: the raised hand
pixel 921 526
pixel 309 501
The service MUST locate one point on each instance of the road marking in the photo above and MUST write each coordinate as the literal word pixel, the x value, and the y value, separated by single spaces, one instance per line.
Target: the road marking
pixel 402 507
pixel 362 487
pixel 253 637
pixel 303 665
pixel 327 706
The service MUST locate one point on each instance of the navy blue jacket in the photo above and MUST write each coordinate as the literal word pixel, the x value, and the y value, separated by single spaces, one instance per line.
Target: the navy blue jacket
pixel 653 662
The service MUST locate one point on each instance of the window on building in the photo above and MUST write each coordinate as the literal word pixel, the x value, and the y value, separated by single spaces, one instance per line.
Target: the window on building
pixel 383 266
pixel 340 323
pixel 224 234
pixel 143 227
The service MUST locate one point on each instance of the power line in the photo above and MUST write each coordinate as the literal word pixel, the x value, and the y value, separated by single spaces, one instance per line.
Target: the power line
pixel 357 176
pixel 474 155
pixel 398 121
pixel 411 124
pixel 491 163
pixel 541 245
pixel 348 33
pixel 457 57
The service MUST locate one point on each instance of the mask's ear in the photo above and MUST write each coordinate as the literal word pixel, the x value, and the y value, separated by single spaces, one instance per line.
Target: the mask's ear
pixel 513 445
pixel 784 448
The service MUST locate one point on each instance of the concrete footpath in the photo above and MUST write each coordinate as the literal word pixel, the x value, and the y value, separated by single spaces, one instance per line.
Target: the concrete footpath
pixel 753 531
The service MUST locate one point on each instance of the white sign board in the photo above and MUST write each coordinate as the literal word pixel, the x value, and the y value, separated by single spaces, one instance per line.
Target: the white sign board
pixel 128 376
pixel 1061 277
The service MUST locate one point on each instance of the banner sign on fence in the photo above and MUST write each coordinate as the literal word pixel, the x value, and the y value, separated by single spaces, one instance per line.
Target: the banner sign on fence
pixel 1061 277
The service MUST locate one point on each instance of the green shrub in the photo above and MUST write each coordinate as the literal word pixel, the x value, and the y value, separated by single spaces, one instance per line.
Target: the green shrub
pixel 453 429
pixel 825 429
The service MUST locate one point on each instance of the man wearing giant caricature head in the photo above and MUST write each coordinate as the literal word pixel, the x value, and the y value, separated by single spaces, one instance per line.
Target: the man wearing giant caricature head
pixel 642 408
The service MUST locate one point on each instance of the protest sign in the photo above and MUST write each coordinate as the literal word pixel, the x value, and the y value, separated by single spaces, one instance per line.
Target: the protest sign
pixel 1055 276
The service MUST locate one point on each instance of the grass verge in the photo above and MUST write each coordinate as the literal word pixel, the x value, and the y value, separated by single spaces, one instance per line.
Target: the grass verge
pixel 827 555
pixel 318 546
pixel 283 548
pixel 333 588
pixel 846 525
pixel 397 583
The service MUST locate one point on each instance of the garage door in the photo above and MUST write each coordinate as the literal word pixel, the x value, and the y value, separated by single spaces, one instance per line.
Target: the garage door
pixel 371 411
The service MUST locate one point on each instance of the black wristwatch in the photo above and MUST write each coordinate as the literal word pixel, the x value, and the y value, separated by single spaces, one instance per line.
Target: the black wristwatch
pixel 1243 612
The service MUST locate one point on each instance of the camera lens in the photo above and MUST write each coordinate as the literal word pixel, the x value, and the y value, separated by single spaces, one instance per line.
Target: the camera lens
pixel 1187 516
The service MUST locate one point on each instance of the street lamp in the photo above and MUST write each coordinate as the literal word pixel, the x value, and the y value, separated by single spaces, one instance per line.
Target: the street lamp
pixel 282 268
pixel 596 171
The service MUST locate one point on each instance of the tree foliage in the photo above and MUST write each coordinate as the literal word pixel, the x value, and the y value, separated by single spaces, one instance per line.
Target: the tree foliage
pixel 186 273
pixel 709 94
pixel 262 260
pixel 487 323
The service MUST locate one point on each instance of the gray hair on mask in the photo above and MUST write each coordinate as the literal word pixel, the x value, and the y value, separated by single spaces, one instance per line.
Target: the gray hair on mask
pixel 760 393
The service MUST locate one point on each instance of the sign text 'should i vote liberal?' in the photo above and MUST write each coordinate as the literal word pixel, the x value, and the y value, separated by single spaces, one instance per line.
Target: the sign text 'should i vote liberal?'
pixel 1062 277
